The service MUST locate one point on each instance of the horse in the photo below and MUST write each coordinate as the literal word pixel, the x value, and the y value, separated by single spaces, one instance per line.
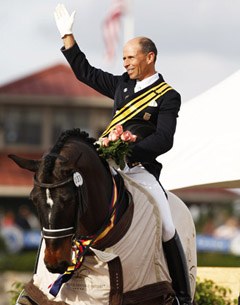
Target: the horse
pixel 101 232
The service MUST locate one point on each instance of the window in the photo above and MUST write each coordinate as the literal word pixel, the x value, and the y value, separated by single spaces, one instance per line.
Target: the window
pixel 22 126
pixel 68 119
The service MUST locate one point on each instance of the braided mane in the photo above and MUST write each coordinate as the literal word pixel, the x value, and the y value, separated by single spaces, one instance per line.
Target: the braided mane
pixel 50 158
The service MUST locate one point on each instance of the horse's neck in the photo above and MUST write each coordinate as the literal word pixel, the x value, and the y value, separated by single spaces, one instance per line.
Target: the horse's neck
pixel 99 192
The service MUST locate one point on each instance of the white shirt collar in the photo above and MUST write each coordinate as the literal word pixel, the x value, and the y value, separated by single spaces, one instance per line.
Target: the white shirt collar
pixel 141 84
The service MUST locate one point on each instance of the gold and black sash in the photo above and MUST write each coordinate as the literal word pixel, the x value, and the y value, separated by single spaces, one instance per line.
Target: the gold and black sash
pixel 136 105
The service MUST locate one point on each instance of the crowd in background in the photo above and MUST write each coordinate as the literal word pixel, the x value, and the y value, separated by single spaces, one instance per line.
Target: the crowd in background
pixel 24 219
pixel 19 230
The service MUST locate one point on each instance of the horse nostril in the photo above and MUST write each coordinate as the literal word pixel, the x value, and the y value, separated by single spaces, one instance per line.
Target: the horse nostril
pixel 61 267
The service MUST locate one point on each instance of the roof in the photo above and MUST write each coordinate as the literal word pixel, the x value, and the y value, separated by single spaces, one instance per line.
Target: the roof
pixel 58 80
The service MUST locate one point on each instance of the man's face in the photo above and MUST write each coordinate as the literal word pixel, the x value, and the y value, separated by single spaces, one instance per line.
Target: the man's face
pixel 137 64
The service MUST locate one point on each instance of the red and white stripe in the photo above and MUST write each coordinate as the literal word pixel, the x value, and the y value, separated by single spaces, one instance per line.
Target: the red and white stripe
pixel 112 26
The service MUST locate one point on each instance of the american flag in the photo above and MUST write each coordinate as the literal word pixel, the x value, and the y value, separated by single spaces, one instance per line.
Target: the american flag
pixel 112 26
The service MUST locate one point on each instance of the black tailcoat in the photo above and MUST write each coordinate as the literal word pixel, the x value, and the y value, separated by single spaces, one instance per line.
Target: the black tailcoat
pixel 120 88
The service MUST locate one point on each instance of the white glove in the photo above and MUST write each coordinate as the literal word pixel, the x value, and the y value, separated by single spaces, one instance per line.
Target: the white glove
pixel 63 20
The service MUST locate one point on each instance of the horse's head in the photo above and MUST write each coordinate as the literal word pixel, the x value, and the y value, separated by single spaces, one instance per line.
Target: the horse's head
pixel 69 199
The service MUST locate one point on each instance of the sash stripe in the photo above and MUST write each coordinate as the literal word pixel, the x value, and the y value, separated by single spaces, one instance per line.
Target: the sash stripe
pixel 138 98
pixel 136 105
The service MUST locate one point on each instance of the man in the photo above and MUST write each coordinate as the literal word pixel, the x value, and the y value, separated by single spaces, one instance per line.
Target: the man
pixel 142 95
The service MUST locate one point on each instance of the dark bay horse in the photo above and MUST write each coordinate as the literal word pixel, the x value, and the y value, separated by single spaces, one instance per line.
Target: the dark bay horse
pixel 83 208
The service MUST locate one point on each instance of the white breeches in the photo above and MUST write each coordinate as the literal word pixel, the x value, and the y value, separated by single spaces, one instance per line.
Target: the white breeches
pixel 148 181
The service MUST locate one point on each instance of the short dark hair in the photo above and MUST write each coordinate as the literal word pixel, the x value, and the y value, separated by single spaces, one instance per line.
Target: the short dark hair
pixel 147 45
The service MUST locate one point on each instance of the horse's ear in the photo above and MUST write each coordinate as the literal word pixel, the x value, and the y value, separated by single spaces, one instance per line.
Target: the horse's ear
pixel 29 164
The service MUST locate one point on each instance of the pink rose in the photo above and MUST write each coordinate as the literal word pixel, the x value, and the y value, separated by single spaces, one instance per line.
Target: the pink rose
pixel 119 129
pixel 113 136
pixel 105 142
pixel 126 136
pixel 134 138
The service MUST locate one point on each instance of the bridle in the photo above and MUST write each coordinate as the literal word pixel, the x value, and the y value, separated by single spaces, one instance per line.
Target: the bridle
pixel 77 178
pixel 78 182
pixel 82 245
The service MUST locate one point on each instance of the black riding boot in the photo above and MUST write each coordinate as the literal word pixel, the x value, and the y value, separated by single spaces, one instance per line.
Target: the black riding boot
pixel 178 270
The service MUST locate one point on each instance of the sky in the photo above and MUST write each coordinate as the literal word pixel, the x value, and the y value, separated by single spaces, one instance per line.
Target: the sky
pixel 197 40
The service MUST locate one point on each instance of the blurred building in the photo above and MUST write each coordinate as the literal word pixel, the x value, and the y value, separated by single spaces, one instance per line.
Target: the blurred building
pixel 33 112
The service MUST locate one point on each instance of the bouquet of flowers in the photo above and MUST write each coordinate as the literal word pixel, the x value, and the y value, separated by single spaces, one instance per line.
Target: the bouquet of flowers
pixel 115 147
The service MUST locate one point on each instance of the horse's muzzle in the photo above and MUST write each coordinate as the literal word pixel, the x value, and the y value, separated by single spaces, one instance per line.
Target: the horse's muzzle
pixel 58 257
pixel 60 267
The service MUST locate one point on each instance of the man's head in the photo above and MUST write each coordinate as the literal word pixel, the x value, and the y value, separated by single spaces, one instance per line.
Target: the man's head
pixel 139 57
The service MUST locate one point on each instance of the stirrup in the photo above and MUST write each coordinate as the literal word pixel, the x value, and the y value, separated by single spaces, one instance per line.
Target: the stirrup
pixel 177 302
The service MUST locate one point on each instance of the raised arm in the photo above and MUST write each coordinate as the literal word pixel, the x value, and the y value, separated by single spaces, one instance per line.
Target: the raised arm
pixel 103 82
pixel 64 23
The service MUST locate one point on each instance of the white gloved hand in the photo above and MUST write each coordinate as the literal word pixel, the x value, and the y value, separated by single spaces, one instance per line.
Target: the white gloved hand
pixel 63 20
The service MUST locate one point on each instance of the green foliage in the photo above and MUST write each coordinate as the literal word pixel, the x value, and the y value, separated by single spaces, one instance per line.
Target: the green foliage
pixel 15 291
pixel 209 293
pixel 116 151
pixel 23 261
pixel 217 260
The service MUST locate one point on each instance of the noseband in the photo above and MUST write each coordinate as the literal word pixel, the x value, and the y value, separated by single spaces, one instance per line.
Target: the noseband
pixel 78 182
